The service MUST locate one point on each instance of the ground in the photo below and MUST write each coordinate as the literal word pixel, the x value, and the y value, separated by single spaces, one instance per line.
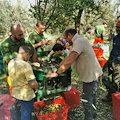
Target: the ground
pixel 104 110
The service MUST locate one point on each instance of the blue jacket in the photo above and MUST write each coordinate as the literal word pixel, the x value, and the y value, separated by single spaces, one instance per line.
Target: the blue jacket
pixel 115 52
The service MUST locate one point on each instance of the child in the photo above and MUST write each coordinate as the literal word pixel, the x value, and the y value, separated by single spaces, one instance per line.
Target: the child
pixel 60 41
pixel 58 56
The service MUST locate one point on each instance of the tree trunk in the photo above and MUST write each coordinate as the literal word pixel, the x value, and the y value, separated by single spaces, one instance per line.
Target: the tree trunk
pixel 77 20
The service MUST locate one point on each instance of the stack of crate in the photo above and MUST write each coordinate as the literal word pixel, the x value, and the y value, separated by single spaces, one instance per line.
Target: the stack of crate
pixel 99 54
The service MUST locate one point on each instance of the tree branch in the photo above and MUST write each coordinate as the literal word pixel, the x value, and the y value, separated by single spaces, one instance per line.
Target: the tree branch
pixel 44 9
pixel 52 13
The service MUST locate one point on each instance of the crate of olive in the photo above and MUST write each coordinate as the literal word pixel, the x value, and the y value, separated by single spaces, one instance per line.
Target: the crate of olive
pixel 55 109
pixel 49 86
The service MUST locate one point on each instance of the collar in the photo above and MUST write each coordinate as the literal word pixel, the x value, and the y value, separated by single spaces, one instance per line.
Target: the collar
pixel 75 37
pixel 17 59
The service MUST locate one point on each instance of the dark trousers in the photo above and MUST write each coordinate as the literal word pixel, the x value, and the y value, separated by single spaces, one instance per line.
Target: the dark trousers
pixel 89 99
pixel 111 77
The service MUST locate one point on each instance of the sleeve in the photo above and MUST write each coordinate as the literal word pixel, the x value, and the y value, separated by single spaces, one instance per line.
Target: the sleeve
pixel 6 52
pixel 78 45
pixel 31 38
pixel 103 31
pixel 29 73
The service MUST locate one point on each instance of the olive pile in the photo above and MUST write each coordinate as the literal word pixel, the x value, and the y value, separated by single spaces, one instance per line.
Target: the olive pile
pixel 50 108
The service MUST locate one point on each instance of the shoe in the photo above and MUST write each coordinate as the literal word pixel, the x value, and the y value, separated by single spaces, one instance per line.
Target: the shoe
pixel 107 99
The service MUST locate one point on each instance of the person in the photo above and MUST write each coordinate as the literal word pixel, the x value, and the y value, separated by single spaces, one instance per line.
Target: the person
pixel 83 58
pixel 10 47
pixel 23 80
pixel 100 33
pixel 59 52
pixel 58 56
pixel 112 67
pixel 37 37
pixel 61 41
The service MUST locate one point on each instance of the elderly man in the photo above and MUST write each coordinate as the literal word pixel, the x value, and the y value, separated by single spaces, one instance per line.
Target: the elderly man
pixel 10 47
pixel 82 56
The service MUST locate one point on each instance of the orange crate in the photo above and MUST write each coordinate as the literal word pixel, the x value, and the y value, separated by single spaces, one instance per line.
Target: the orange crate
pixel 102 62
pixel 57 115
pixel 72 97
pixel 98 51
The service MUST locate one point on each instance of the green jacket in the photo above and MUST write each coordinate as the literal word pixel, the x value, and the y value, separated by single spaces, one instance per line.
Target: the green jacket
pixel 34 38
pixel 9 50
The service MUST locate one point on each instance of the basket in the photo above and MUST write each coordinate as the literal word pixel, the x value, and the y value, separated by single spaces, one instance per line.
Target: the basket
pixel 57 115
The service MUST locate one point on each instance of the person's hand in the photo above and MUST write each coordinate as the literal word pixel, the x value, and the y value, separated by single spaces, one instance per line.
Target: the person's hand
pixel 52 75
pixel 43 42
pixel 36 64
pixel 43 59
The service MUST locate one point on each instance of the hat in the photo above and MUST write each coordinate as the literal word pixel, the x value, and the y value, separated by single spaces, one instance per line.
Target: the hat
pixel 118 22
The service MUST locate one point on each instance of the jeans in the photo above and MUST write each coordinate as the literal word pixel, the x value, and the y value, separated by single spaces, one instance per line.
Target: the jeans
pixel 26 107
pixel 89 99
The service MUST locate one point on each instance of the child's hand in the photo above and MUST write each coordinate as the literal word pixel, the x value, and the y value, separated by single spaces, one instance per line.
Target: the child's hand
pixel 36 64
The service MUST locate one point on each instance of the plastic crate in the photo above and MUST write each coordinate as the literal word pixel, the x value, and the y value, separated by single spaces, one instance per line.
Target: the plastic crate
pixel 98 51
pixel 72 97
pixel 44 53
pixel 116 105
pixel 57 115
pixel 102 62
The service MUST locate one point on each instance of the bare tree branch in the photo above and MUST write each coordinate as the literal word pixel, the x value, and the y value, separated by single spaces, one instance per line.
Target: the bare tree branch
pixel 52 13
pixel 44 9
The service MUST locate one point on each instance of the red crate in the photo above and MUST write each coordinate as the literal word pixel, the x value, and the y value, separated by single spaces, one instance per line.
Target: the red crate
pixel 72 97
pixel 57 115
pixel 116 105
pixel 98 51
pixel 102 62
